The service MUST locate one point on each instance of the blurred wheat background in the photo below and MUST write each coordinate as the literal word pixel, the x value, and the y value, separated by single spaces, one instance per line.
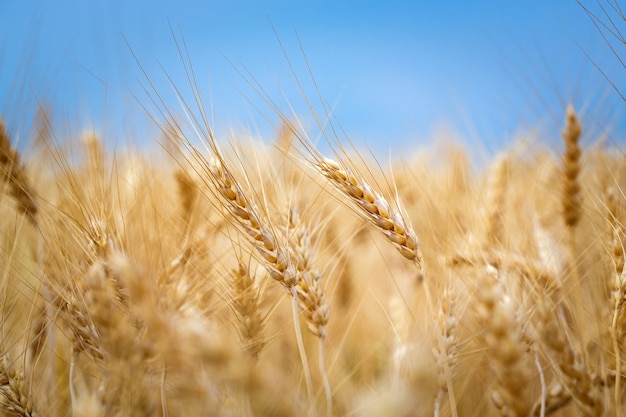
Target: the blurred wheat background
pixel 295 272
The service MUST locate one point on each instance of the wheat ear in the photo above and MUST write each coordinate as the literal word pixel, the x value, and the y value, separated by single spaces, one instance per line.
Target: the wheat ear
pixel 17 400
pixel 245 212
pixel 188 193
pixel 375 208
pixel 246 298
pixel 495 203
pixel 575 375
pixel 311 296
pixel 503 335
pixel 13 173
pixel 446 349
pixel 618 291
pixel 572 197
pixel 275 255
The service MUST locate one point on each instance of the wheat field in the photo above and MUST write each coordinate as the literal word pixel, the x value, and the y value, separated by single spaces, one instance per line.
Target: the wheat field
pixel 266 278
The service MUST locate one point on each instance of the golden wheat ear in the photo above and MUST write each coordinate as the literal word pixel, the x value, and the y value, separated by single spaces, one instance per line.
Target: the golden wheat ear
pixel 575 379
pixel 246 303
pixel 12 172
pixel 446 349
pixel 505 340
pixel 572 197
pixel 244 210
pixel 16 396
pixel 375 208
pixel 311 297
pixel 618 286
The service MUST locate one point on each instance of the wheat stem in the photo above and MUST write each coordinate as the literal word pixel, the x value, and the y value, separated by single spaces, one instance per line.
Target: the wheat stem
pixel 542 380
pixel 618 290
pixel 325 382
pixel 72 375
pixel 303 356
pixel 164 409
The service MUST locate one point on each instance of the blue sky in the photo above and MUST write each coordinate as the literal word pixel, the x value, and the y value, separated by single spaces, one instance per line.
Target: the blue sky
pixel 397 74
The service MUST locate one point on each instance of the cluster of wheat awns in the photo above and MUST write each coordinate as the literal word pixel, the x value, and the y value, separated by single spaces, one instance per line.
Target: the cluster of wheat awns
pixel 178 284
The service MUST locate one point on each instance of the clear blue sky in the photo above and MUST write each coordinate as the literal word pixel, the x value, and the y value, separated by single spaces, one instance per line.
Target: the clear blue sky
pixel 395 72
